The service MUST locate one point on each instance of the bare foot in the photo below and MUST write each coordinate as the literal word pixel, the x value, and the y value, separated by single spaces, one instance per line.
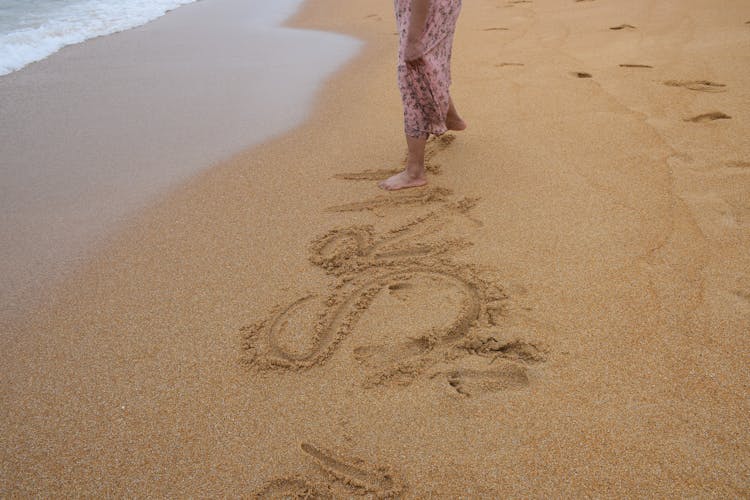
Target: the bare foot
pixel 455 123
pixel 402 181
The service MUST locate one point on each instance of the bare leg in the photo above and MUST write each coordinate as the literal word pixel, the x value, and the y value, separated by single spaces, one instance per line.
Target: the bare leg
pixel 453 121
pixel 413 175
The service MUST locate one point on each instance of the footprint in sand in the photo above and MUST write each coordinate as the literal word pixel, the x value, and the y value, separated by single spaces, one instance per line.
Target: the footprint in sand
pixel 623 27
pixel 635 66
pixel 708 117
pixel 581 74
pixel 698 85
pixel 738 164
pixel 352 475
pixel 493 366
pixel 472 383
pixel 516 350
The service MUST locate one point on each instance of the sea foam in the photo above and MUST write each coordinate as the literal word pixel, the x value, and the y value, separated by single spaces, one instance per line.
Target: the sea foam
pixel 31 30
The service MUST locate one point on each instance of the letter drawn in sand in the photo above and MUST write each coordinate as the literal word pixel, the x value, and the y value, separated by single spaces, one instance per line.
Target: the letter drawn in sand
pixel 356 473
pixel 292 487
pixel 425 196
pixel 369 264
pixel 434 146
pixel 356 476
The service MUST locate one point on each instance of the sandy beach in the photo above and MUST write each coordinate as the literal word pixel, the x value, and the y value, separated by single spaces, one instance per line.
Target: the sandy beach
pixel 562 312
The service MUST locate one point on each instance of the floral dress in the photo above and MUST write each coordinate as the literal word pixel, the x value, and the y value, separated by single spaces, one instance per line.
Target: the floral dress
pixel 425 88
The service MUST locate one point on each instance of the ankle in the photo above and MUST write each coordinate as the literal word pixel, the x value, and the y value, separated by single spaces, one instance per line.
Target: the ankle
pixel 414 170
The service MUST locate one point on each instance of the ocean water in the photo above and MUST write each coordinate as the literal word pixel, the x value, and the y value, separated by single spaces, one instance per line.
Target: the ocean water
pixel 31 30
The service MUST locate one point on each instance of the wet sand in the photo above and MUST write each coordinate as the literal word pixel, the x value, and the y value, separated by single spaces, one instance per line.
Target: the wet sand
pixel 101 129
pixel 562 312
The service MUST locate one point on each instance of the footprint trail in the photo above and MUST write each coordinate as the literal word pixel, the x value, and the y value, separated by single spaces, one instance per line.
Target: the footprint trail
pixel 697 85
pixel 708 117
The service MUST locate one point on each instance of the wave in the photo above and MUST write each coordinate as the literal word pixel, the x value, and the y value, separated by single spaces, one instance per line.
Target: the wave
pixel 37 36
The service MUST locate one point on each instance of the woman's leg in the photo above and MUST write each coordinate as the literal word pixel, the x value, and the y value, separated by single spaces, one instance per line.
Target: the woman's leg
pixel 452 120
pixel 413 174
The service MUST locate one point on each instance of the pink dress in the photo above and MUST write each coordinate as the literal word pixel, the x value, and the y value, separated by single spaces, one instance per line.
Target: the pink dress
pixel 425 88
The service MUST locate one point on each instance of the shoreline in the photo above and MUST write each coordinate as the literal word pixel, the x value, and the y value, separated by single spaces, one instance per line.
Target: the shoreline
pixel 102 129
pixel 588 239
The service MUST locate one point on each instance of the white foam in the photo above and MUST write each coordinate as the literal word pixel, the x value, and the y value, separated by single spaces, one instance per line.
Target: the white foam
pixel 33 31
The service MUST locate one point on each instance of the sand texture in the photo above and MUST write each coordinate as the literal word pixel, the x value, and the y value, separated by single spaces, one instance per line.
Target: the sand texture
pixel 564 311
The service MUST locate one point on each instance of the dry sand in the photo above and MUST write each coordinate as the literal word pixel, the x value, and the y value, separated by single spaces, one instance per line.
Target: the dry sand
pixel 564 312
